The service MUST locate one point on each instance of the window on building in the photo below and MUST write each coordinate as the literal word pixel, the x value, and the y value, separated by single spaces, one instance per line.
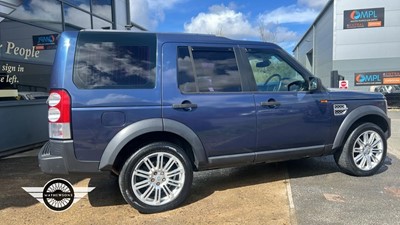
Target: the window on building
pixel 272 73
pixel 208 70
pixel 101 24
pixel 310 60
pixel 109 61
pixel 24 70
pixel 76 19
pixel 83 4
pixel 102 8
pixel 5 9
pixel 44 13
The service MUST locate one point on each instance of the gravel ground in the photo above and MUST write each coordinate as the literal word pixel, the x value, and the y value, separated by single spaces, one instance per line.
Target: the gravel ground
pixel 247 195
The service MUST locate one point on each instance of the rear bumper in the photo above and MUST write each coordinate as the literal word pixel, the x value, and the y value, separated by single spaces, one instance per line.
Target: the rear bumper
pixel 58 157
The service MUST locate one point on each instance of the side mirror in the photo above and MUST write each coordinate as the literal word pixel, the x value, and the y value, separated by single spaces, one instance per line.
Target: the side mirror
pixel 315 84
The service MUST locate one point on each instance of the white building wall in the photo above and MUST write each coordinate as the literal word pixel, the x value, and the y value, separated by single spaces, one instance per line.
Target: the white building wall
pixel 303 48
pixel 323 47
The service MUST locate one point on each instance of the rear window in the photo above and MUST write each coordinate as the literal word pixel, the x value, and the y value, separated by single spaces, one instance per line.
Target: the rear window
pixel 115 60
pixel 208 69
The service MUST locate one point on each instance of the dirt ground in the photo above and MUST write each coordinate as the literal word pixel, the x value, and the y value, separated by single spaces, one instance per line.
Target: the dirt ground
pixel 247 195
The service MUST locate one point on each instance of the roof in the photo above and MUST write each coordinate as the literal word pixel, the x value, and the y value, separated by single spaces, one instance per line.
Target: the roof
pixel 189 37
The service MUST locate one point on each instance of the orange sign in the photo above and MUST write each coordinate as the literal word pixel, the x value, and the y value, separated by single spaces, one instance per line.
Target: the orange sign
pixel 375 24
pixel 391 80
pixel 392 77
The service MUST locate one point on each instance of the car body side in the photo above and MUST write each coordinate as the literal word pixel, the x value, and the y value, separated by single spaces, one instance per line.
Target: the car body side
pixel 109 126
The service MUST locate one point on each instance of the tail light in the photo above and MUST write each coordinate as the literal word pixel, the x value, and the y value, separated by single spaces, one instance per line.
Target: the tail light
pixel 59 114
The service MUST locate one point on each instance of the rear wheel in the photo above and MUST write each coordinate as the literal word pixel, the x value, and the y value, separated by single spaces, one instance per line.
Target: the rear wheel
pixel 156 178
pixel 364 151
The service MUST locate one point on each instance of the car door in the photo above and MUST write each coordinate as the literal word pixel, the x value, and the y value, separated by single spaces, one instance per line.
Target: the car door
pixel 203 89
pixel 291 121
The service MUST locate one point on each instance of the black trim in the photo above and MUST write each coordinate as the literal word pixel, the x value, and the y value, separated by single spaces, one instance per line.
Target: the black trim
pixel 288 154
pixel 58 157
pixel 266 156
pixel 246 73
pixel 356 114
pixel 123 137
pixel 200 158
pixel 230 160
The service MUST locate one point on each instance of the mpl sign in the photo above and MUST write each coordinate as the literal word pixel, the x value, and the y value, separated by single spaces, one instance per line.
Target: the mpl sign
pixel 368 79
pixel 377 78
pixel 45 42
pixel 364 18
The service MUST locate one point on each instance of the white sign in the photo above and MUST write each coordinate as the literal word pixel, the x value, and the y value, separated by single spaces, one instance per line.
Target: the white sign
pixel 343 84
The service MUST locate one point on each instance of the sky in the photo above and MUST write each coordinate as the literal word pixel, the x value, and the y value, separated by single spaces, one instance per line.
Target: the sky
pixel 281 21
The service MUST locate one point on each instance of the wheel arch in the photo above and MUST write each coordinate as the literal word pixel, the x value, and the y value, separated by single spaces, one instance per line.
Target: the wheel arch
pixel 136 135
pixel 358 116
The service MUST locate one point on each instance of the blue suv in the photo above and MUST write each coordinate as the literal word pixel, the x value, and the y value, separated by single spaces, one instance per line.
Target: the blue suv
pixel 152 108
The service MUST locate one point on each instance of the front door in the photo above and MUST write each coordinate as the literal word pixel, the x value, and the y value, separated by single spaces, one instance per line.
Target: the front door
pixel 289 117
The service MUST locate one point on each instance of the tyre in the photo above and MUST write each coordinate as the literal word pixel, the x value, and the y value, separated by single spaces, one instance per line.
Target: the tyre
pixel 363 152
pixel 156 178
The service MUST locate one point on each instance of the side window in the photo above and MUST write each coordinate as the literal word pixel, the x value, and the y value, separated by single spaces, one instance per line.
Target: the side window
pixel 208 70
pixel 272 73
pixel 106 61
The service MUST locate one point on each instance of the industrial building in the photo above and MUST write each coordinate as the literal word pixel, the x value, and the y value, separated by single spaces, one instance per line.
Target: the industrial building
pixel 358 39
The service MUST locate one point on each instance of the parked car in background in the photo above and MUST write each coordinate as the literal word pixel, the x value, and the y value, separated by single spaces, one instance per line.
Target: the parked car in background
pixel 392 94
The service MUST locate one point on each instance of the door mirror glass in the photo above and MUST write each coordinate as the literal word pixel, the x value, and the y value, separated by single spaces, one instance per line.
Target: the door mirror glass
pixel 315 84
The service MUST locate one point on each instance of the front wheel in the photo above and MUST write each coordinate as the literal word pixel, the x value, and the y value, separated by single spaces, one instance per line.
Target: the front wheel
pixel 156 178
pixel 364 151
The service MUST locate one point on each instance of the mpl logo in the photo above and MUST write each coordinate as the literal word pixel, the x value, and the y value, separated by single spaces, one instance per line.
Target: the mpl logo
pixel 368 78
pixel 363 14
pixel 49 39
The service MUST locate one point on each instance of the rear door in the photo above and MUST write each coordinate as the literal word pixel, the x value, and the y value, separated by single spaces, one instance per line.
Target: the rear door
pixel 204 90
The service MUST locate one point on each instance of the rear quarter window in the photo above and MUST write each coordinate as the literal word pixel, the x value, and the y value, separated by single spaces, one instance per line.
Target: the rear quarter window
pixel 115 60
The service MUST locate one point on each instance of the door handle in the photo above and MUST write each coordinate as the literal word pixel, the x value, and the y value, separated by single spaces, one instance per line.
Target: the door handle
pixel 186 105
pixel 271 104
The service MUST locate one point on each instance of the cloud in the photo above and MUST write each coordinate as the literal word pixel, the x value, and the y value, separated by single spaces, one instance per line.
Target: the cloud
pixel 289 14
pixel 316 4
pixel 141 14
pixel 103 11
pixel 285 35
pixel 39 9
pixel 49 10
pixel 146 13
pixel 149 13
pixel 221 20
pixel 228 21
